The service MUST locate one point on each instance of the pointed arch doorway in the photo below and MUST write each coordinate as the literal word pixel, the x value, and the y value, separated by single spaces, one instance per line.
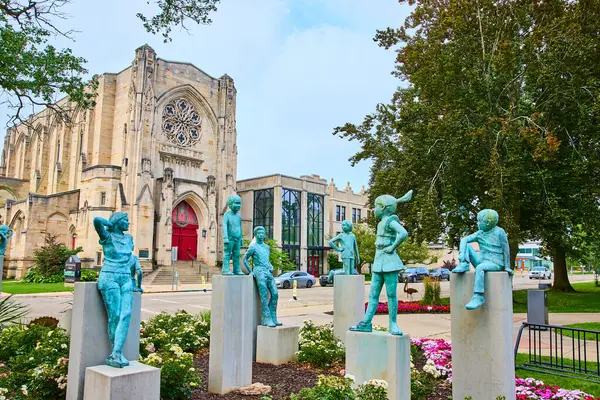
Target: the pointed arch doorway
pixel 185 231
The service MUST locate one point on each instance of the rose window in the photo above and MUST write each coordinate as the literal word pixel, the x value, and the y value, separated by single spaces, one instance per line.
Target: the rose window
pixel 181 123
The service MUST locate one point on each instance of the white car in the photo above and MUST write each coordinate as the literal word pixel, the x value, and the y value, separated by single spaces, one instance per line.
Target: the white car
pixel 540 273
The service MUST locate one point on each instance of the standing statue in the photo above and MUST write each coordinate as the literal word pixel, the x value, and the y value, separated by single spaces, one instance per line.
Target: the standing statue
pixel 232 236
pixel 263 276
pixel 5 234
pixel 348 248
pixel 117 281
pixel 387 263
pixel 494 254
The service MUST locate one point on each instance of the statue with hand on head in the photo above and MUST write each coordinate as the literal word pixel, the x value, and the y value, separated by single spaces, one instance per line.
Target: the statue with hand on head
pixel 494 254
pixel 387 263
pixel 347 247
pixel 5 234
pixel 117 281
pixel 260 252
pixel 232 236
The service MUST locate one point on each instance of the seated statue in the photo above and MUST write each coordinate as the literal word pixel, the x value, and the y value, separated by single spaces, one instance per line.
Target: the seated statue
pixel 494 254
pixel 116 282
pixel 263 276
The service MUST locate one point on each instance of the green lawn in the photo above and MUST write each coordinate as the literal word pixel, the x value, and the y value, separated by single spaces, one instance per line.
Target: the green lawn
pixel 565 383
pixel 17 287
pixel 586 299
pixel 593 326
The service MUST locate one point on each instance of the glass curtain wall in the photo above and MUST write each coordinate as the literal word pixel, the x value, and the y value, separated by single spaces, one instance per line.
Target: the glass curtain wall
pixel 263 211
pixel 315 227
pixel 290 224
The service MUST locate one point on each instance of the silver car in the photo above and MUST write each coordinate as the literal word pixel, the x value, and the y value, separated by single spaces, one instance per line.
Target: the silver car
pixel 286 279
pixel 540 273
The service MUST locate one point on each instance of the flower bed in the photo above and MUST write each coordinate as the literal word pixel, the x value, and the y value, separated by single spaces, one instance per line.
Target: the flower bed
pixel 405 307
pixel 439 356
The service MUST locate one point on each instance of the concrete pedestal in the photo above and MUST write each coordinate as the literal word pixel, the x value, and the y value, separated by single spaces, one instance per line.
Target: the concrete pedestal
pixel 483 364
pixel 231 327
pixel 1 271
pixel 65 320
pixel 277 345
pixel 137 381
pixel 348 303
pixel 255 318
pixel 379 355
pixel 89 335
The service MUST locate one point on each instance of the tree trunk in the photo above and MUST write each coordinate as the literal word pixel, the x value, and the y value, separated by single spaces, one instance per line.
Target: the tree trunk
pixel 514 249
pixel 561 277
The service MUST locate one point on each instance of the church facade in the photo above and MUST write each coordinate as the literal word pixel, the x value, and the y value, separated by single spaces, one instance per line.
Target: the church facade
pixel 160 144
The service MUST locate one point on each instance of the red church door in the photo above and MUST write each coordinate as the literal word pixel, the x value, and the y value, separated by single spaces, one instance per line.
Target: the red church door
pixel 185 231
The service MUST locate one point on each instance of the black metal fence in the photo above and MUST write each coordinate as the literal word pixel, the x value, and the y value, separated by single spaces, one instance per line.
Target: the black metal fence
pixel 561 350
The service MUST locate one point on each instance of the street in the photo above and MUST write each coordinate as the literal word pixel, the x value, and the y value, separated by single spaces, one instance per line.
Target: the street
pixel 311 303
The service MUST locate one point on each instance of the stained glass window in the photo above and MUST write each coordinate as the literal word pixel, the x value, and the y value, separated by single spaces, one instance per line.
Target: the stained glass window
pixel 290 224
pixel 181 123
pixel 263 211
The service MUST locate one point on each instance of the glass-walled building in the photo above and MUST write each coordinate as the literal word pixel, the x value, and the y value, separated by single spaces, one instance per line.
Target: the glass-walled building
pixel 294 212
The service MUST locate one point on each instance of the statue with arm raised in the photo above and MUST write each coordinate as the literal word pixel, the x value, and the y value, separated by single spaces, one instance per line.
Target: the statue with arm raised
pixel 116 282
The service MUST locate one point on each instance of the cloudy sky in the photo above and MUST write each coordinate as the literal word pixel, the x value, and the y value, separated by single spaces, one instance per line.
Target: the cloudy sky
pixel 301 68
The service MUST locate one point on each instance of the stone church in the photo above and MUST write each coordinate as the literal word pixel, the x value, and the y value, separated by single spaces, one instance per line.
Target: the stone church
pixel 160 144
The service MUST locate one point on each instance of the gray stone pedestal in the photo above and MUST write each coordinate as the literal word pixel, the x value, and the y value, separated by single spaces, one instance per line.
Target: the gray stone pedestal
pixel 137 381
pixel 348 303
pixel 255 318
pixel 483 364
pixel 277 345
pixel 379 355
pixel 231 331
pixel 89 335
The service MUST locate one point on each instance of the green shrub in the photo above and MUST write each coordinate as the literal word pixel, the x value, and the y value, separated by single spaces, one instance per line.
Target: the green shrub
pixel 11 311
pixel 163 331
pixel 33 362
pixel 50 259
pixel 334 262
pixel 88 275
pixel 178 377
pixel 35 276
pixel 318 345
pixel 49 322
pixel 340 388
pixel 431 297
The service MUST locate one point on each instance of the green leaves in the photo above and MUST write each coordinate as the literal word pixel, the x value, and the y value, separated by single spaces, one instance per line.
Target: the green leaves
pixel 176 12
pixel 11 311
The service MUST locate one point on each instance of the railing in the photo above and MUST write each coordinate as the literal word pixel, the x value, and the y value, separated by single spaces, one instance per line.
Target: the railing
pixel 561 350
pixel 193 259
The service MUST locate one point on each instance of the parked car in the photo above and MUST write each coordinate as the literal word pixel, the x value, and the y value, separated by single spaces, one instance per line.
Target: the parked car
pixel 414 274
pixel 440 274
pixel 328 279
pixel 285 280
pixel 540 273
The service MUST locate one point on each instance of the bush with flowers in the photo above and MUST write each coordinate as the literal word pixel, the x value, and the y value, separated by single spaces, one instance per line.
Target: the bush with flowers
pixel 411 307
pixel 178 377
pixel 318 345
pixel 340 388
pixel 33 362
pixel 190 332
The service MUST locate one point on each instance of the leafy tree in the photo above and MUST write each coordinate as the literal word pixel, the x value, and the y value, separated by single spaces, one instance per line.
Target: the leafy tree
pixel 33 72
pixel 500 111
pixel 279 259
pixel 333 261
pixel 50 259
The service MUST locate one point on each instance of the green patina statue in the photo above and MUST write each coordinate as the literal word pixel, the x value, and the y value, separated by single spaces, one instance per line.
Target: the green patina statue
pixel 494 254
pixel 348 248
pixel 387 263
pixel 117 281
pixel 232 236
pixel 5 234
pixel 263 276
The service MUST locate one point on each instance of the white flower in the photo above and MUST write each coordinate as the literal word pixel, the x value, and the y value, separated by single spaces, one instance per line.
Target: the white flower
pixel 378 383
pixel 63 346
pixel 351 377
pixel 24 389
pixel 50 333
